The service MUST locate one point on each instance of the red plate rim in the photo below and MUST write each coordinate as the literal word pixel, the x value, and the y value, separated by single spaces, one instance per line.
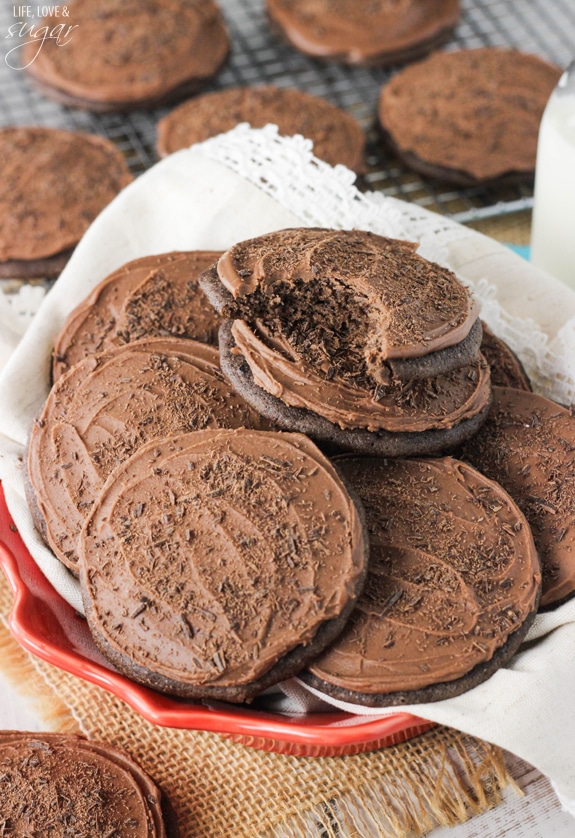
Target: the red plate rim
pixel 38 620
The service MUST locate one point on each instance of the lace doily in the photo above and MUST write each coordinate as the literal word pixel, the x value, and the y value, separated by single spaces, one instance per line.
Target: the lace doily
pixel 322 196
pixel 325 196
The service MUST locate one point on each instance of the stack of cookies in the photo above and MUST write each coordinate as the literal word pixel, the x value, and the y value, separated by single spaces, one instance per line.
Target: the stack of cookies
pixel 279 506
pixel 63 784
pixel 351 338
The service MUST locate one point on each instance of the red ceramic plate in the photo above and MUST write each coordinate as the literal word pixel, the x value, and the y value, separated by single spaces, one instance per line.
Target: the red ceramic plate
pixel 46 625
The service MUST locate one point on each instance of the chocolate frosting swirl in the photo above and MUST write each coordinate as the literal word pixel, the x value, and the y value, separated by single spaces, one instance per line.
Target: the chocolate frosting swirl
pixel 418 405
pixel 104 408
pixel 131 52
pixel 97 788
pixel 358 295
pixel 155 296
pixel 528 445
pixel 208 557
pixel 363 31
pixel 453 573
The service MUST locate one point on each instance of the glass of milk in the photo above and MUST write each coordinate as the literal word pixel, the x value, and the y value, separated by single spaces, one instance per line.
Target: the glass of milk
pixel 553 223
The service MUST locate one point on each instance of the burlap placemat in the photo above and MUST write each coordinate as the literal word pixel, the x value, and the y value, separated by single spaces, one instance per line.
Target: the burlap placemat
pixel 221 789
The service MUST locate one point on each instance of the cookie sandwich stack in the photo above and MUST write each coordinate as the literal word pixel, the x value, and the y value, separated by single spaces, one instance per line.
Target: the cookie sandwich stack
pixel 351 338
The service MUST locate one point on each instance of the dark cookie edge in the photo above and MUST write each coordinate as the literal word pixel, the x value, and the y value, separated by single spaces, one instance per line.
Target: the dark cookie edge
pixel 435 363
pixel 434 692
pixel 383 443
pixel 457 177
pixel 49 267
pixel 174 94
pixel 510 373
pixel 286 667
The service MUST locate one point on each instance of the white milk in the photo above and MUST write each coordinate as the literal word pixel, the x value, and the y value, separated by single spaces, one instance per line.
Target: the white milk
pixel 553 225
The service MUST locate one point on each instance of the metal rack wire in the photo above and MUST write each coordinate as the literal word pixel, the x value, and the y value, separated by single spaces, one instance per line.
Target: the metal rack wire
pixel 543 27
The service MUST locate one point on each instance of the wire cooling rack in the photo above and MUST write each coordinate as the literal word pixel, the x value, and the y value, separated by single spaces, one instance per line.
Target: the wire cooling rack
pixel 543 27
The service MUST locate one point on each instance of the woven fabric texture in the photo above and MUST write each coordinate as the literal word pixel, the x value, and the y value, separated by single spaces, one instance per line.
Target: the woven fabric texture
pixel 221 788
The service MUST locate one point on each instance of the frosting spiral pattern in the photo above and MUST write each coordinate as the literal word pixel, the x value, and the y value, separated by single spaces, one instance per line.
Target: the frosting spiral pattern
pixel 155 296
pixel 209 557
pixel 104 408
pixel 453 583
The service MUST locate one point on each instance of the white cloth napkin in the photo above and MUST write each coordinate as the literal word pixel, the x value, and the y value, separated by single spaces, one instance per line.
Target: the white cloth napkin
pixel 250 182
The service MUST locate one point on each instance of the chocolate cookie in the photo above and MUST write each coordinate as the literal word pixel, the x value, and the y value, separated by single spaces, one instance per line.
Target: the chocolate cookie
pixel 376 32
pixel 354 303
pixel 218 563
pixel 61 784
pixel 155 296
pixel 351 338
pixel 528 445
pixel 337 137
pixel 452 587
pixel 470 116
pixel 105 408
pixel 54 184
pixel 506 368
pixel 128 54
pixel 425 416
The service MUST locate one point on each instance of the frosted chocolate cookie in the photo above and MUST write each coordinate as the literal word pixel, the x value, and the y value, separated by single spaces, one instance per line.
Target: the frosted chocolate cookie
pixel 422 416
pixel 54 184
pixel 125 54
pixel 350 297
pixel 105 408
pixel 218 563
pixel 61 784
pixel 155 296
pixel 337 137
pixel 528 445
pixel 377 32
pixel 470 116
pixel 452 587
pixel 351 338
pixel 506 368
